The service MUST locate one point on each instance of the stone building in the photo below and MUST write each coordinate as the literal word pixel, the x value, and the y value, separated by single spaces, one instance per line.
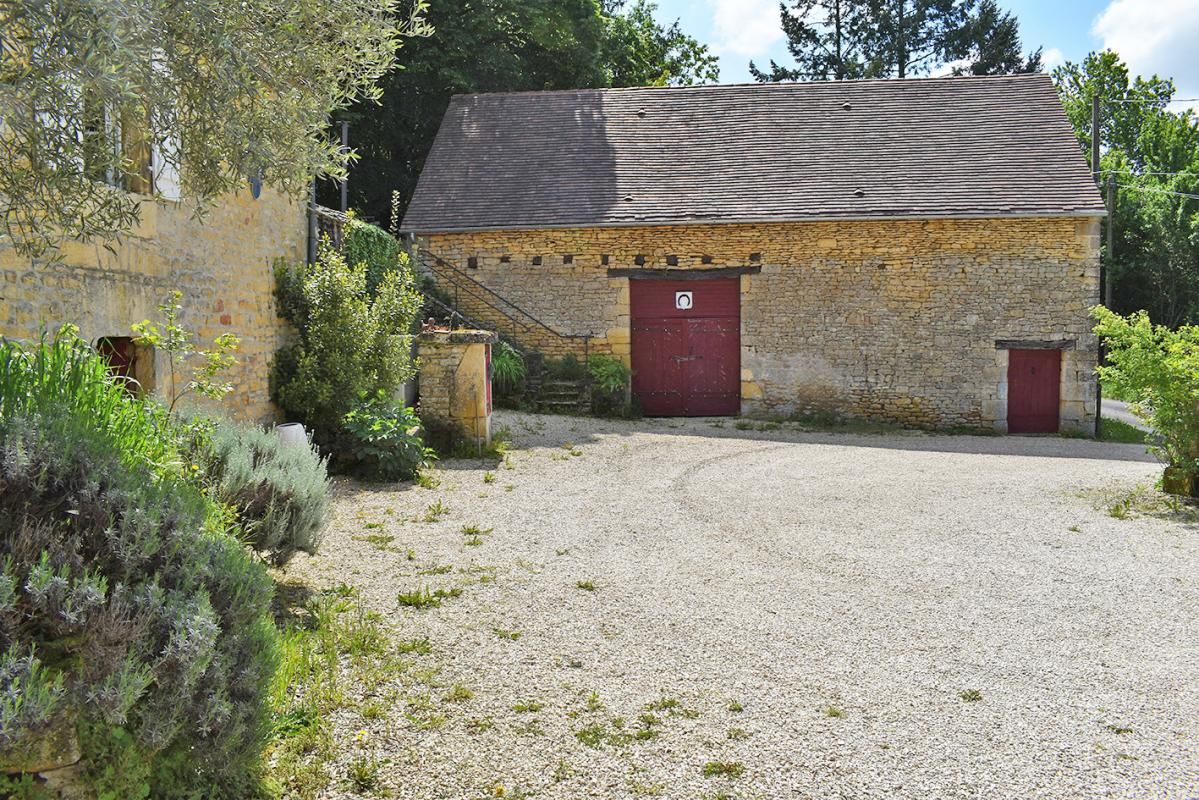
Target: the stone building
pixel 222 264
pixel 917 251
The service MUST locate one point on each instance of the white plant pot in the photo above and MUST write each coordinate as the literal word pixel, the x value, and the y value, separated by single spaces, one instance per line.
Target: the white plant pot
pixel 292 433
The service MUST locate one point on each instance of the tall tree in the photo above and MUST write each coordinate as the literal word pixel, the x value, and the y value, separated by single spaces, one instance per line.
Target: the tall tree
pixel 1153 153
pixel 639 51
pixel 827 38
pixel 990 39
pixel 912 37
pixel 216 90
pixel 836 39
pixel 499 46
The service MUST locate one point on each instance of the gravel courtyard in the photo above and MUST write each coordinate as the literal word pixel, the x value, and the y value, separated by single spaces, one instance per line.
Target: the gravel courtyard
pixel 683 609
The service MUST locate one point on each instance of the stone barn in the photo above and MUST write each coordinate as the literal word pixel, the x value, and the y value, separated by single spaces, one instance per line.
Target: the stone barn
pixel 915 251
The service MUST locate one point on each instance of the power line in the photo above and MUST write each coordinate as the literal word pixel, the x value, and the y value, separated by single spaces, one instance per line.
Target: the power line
pixel 1158 100
pixel 1158 191
pixel 1188 172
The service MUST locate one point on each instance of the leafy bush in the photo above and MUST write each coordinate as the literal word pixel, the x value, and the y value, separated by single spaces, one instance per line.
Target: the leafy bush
pixel 279 491
pixel 125 604
pixel 507 368
pixel 566 368
pixel 609 374
pixel 609 382
pixel 385 439
pixel 349 342
pixel 373 249
pixel 1157 368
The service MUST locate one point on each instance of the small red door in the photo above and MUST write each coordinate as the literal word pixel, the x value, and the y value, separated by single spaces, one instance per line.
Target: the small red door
pixel 1033 390
pixel 686 346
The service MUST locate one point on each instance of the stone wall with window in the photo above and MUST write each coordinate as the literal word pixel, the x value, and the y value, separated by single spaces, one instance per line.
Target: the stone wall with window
pixel 895 320
pixel 222 264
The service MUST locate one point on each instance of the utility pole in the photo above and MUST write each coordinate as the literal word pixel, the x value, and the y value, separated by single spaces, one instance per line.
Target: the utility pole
pixel 1111 217
pixel 345 182
pixel 1104 274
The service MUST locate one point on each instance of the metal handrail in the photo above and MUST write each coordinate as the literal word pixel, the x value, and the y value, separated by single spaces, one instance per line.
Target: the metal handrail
pixel 474 284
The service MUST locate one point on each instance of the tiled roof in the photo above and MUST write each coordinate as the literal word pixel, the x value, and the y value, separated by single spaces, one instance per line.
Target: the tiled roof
pixel 933 147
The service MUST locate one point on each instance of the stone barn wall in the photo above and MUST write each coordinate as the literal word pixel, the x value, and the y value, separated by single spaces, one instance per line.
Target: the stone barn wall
pixel 895 320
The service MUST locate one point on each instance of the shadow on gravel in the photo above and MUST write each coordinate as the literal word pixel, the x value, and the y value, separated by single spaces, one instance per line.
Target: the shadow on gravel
pixel 535 430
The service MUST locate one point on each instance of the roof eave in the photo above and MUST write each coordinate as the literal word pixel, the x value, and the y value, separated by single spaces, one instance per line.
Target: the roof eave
pixel 1078 212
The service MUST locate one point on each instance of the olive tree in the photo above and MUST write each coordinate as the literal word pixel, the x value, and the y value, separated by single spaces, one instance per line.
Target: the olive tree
pixel 104 103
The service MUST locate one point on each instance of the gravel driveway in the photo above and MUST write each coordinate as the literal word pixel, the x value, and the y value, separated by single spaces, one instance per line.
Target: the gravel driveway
pixel 780 614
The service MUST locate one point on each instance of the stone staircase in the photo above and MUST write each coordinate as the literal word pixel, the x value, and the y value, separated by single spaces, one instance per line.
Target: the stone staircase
pixel 564 396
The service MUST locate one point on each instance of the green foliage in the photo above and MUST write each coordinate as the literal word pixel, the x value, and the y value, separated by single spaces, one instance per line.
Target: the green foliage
pixel 349 341
pixel 279 491
pixel 375 250
pixel 1153 153
pixel 609 383
pixel 500 46
pixel 839 39
pixel 120 580
pixel 179 345
pixel 385 439
pixel 1158 368
pixel 609 374
pixel 567 368
pixel 122 85
pixel 507 368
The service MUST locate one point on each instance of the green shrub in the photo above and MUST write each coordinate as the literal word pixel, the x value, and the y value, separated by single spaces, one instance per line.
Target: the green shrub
pixel 609 384
pixel 507 369
pixel 385 439
pixel 1157 368
pixel 566 368
pixel 279 491
pixel 349 341
pixel 375 250
pixel 125 604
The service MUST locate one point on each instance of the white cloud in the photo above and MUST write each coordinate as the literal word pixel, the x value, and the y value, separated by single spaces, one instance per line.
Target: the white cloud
pixel 1052 57
pixel 1157 37
pixel 747 28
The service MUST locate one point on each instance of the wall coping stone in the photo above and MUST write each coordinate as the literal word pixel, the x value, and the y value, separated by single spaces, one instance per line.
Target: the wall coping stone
pixel 458 337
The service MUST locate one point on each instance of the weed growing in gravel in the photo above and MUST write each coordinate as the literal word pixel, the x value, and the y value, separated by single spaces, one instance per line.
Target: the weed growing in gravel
pixel 1074 529
pixel 1141 500
pixel 672 707
pixel 587 586
pixel 833 711
pixel 458 694
pixel 735 706
pixel 379 541
pixel 418 646
pixel 435 569
pixel 427 479
pixel 594 703
pixel 727 769
pixel 738 734
pixel 527 706
pixel 423 598
pixel 591 735
pixel 562 552
pixel 971 695
pixel 508 487
pixel 370 526
pixel 1119 730
pixel 435 511
pixel 488 477
pixel 364 774
pixel 530 728
pixel 338 653
pixel 511 636
pixel 480 724
pixel 563 771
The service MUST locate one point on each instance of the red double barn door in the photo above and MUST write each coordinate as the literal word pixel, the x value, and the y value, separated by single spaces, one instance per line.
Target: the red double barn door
pixel 686 343
pixel 1033 390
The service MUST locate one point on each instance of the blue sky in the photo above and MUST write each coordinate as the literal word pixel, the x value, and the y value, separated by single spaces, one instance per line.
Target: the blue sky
pixel 1153 36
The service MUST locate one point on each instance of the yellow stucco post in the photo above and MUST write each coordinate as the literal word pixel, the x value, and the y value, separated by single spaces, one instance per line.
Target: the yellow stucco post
pixel 454 383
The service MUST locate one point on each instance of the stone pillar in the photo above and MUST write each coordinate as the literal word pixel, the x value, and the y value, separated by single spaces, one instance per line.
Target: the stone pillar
pixel 455 380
